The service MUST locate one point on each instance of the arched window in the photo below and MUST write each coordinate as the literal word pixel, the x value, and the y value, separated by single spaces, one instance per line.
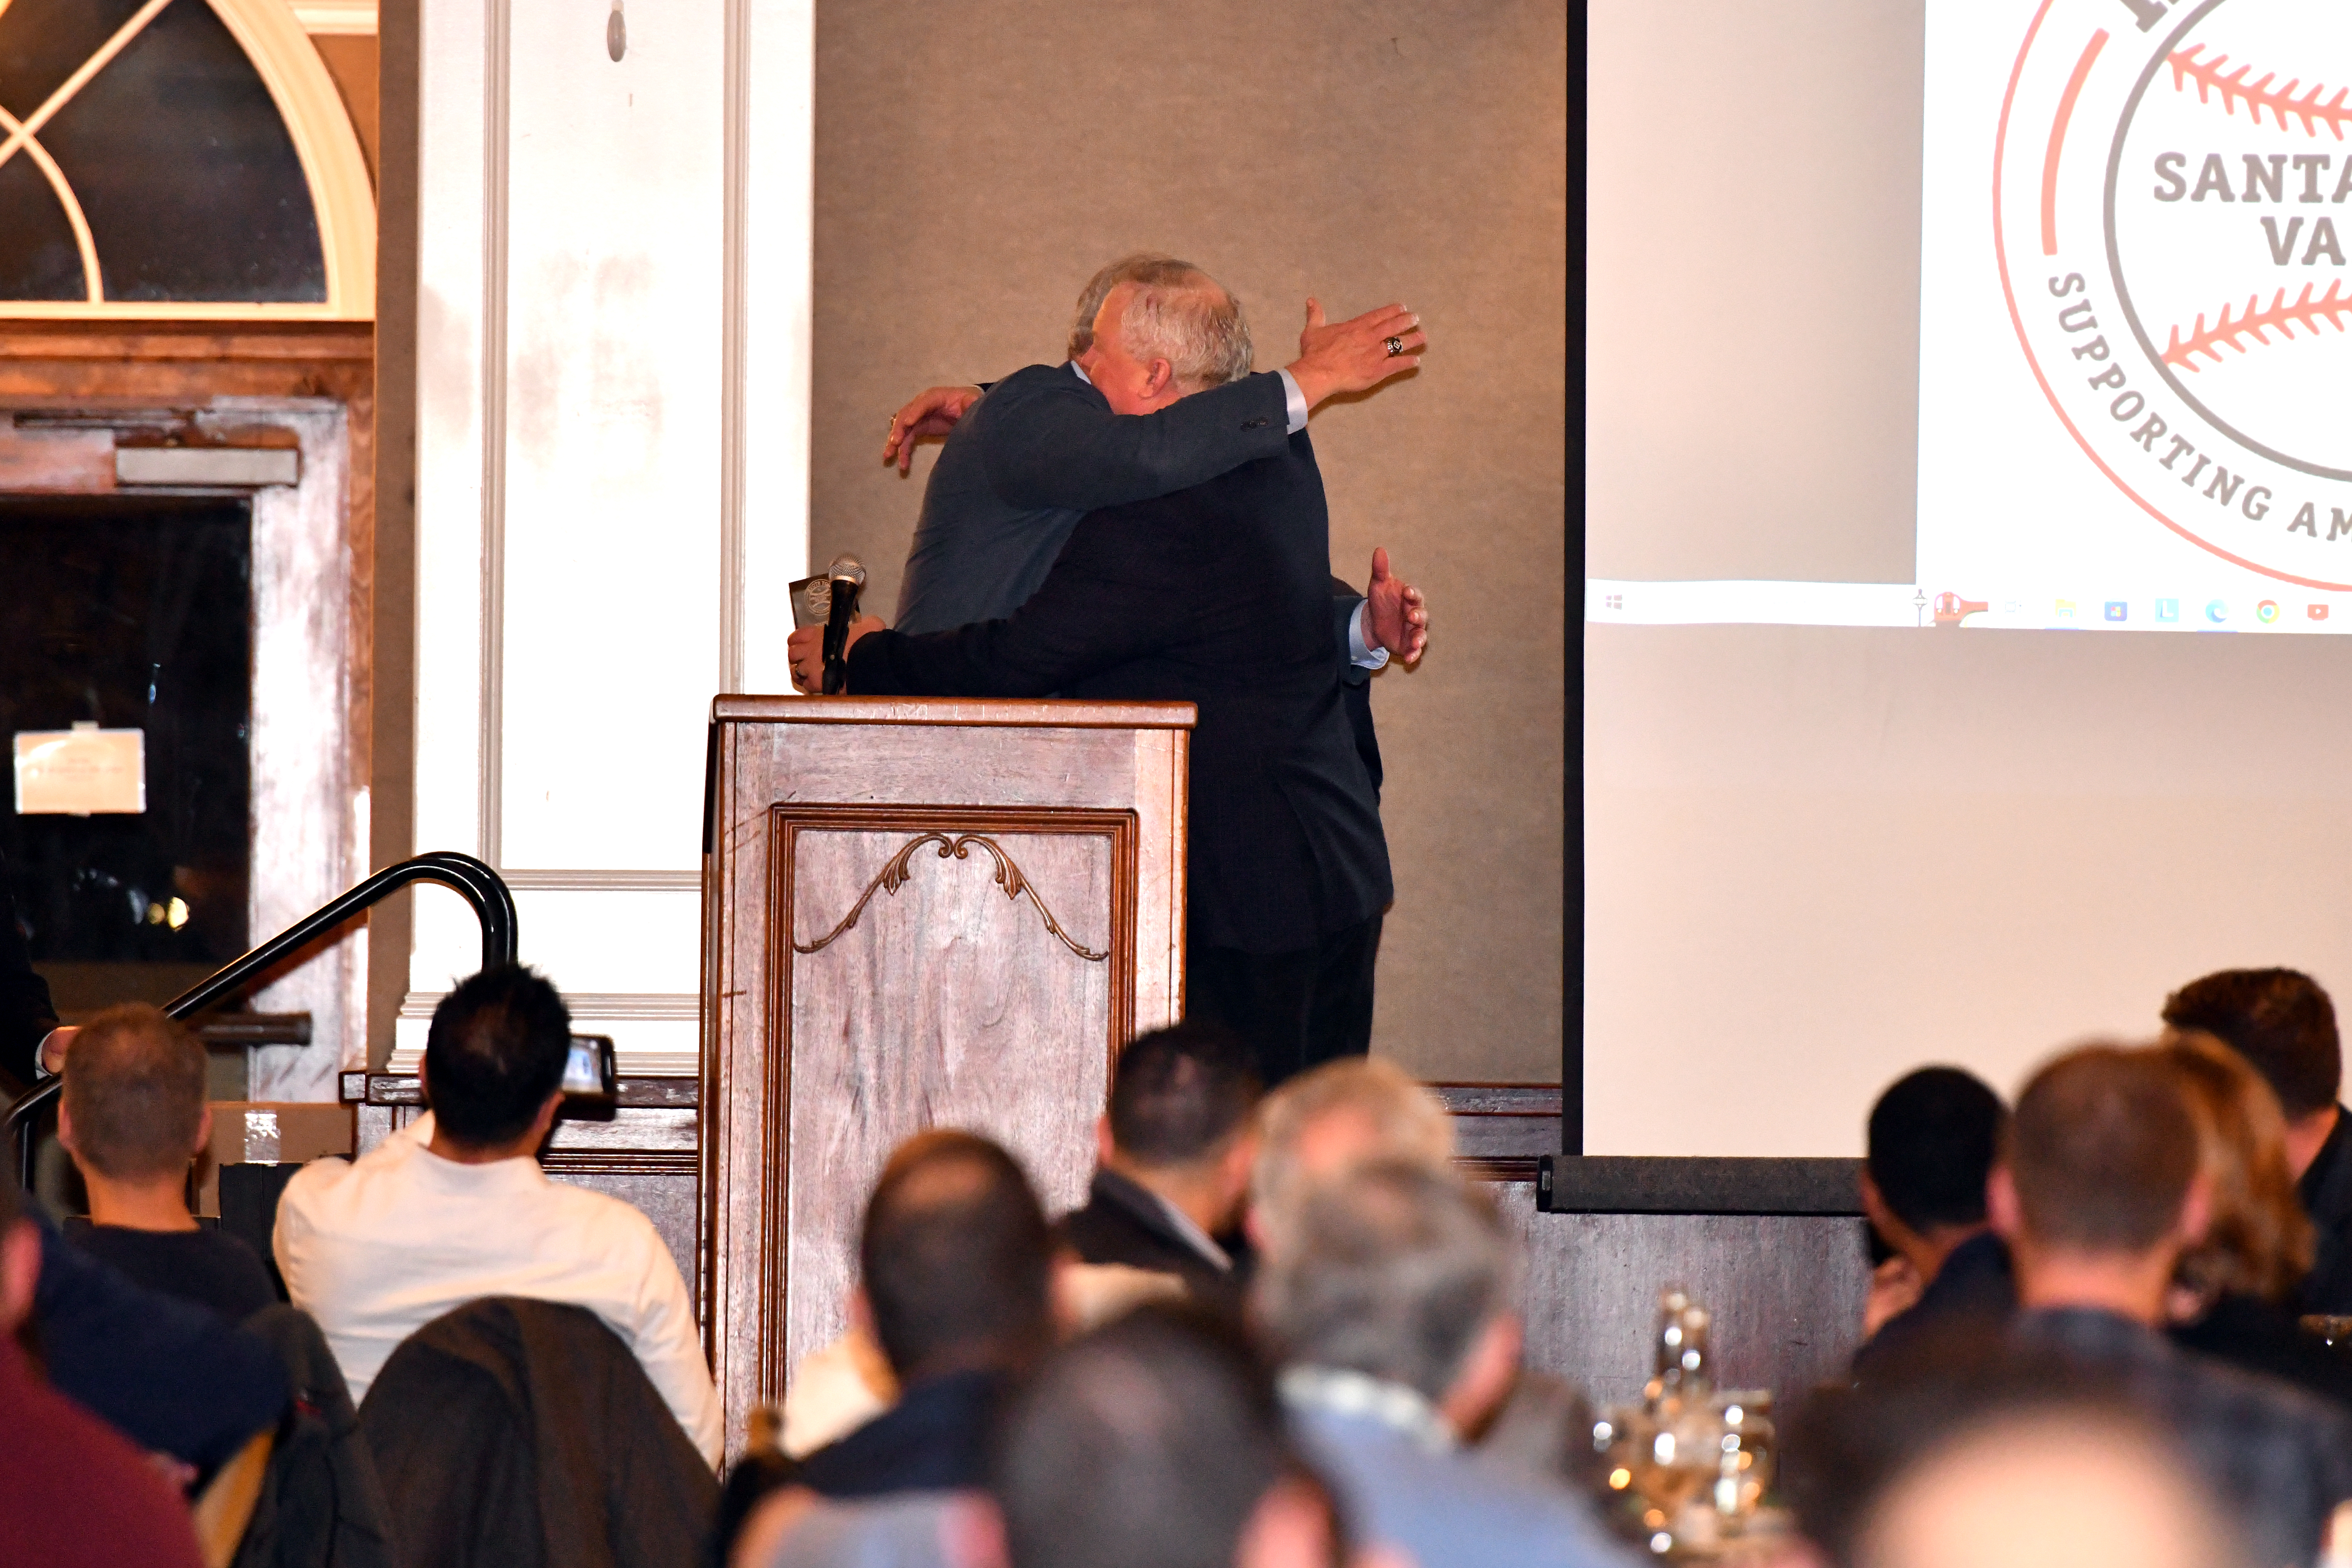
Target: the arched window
pixel 176 159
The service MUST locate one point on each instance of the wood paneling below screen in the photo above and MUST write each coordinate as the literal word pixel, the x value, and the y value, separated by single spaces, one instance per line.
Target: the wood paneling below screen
pixel 935 975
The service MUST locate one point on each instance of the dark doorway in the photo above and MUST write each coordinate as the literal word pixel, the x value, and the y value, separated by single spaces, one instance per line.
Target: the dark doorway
pixel 133 613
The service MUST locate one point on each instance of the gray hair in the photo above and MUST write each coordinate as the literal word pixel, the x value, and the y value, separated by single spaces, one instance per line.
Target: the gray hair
pixel 1178 313
pixel 1398 1120
pixel 1393 1273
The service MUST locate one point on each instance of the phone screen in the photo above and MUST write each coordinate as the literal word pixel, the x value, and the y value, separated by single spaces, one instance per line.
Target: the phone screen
pixel 589 1069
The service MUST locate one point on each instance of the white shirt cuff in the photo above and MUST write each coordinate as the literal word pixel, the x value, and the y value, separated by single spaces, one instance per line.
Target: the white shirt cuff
pixel 1293 400
pixel 1361 651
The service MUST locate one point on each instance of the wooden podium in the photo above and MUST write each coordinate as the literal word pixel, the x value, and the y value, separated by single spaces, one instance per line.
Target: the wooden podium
pixel 916 913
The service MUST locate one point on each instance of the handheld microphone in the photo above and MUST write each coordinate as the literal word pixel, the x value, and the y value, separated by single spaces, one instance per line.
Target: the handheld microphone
pixel 846 576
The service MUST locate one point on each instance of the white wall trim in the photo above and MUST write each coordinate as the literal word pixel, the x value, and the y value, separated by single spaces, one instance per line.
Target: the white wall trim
pixel 495 132
pixel 588 1005
pixel 731 408
pixel 613 417
pixel 560 881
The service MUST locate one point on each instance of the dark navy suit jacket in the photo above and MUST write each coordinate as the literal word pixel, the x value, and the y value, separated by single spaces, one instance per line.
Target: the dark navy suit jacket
pixel 1218 595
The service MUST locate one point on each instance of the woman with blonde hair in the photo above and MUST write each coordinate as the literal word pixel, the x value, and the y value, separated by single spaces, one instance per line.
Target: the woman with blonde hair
pixel 2232 1291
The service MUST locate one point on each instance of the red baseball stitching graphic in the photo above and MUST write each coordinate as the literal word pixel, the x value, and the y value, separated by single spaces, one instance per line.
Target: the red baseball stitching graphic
pixel 2336 113
pixel 2305 312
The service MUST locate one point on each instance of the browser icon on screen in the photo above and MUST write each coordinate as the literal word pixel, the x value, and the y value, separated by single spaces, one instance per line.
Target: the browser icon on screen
pixel 2217 611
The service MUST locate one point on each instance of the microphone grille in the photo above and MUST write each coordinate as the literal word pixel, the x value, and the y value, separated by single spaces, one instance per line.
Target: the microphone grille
pixel 846 567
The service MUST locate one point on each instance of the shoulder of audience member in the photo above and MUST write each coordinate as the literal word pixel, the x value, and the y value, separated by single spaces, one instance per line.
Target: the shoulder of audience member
pixel 2241 1398
pixel 619 1219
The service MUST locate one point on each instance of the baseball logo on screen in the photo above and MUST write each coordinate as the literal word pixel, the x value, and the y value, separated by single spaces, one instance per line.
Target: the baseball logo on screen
pixel 2172 215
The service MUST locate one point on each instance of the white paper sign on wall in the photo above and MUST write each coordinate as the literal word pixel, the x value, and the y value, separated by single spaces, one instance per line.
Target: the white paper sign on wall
pixel 81 771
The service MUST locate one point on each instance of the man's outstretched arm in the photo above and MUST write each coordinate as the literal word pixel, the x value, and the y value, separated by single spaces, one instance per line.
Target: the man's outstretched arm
pixel 1084 456
pixel 1069 450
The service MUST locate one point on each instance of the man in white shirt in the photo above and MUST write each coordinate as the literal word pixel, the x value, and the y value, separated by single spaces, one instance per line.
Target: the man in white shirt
pixel 455 1207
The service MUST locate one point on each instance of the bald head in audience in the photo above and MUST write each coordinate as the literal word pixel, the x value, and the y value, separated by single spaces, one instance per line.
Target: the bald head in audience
pixel 1156 1442
pixel 2088 1488
pixel 1322 1124
pixel 956 1259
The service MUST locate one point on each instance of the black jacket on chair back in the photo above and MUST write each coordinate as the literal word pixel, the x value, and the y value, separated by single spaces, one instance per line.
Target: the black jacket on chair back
pixel 524 1434
pixel 1219 595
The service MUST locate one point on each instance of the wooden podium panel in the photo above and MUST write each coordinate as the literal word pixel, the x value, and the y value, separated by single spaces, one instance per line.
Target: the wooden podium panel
pixel 916 913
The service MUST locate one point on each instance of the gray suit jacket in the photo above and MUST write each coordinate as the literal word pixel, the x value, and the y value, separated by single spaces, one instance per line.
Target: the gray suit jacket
pixel 1039 451
pixel 1448 1508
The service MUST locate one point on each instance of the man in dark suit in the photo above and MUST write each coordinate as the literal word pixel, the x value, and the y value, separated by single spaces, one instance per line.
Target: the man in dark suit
pixel 1217 596
pixel 1042 447
pixel 1176 1148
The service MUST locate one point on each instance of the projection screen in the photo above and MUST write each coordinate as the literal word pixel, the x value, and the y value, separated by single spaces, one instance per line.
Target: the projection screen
pixel 1968 500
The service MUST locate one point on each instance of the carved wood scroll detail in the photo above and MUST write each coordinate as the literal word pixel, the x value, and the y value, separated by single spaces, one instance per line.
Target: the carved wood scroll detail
pixel 1008 875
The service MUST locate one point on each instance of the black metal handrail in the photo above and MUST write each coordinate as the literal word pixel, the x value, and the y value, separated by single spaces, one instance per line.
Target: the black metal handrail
pixel 481 886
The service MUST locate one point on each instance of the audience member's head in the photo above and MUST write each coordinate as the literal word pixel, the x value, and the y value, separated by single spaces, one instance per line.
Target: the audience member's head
pixel 1156 1442
pixel 134 1111
pixel 956 1258
pixel 1180 1116
pixel 1974 1452
pixel 1933 1135
pixel 494 1059
pixel 2079 1489
pixel 1405 1275
pixel 2278 1019
pixel 2259 1241
pixel 1321 1124
pixel 2099 1166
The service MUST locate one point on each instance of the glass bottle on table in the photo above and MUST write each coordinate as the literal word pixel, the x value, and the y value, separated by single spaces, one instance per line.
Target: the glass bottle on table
pixel 1675 1452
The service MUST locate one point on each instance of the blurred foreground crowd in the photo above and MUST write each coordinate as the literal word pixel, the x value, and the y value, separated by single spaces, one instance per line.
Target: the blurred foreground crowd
pixel 1283 1330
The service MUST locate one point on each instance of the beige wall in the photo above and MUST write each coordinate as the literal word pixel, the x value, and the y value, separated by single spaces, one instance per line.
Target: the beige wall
pixel 975 162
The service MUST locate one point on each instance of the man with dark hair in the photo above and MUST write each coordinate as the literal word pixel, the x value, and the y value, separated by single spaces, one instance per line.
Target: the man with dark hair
pixel 454 1208
pixel 72 1490
pixel 1391 1302
pixel 2283 1023
pixel 2098 1191
pixel 1175 1151
pixel 1933 1135
pixel 133 1117
pixel 955 1264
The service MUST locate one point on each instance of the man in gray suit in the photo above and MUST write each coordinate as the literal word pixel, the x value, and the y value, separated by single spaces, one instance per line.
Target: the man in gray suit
pixel 1391 1305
